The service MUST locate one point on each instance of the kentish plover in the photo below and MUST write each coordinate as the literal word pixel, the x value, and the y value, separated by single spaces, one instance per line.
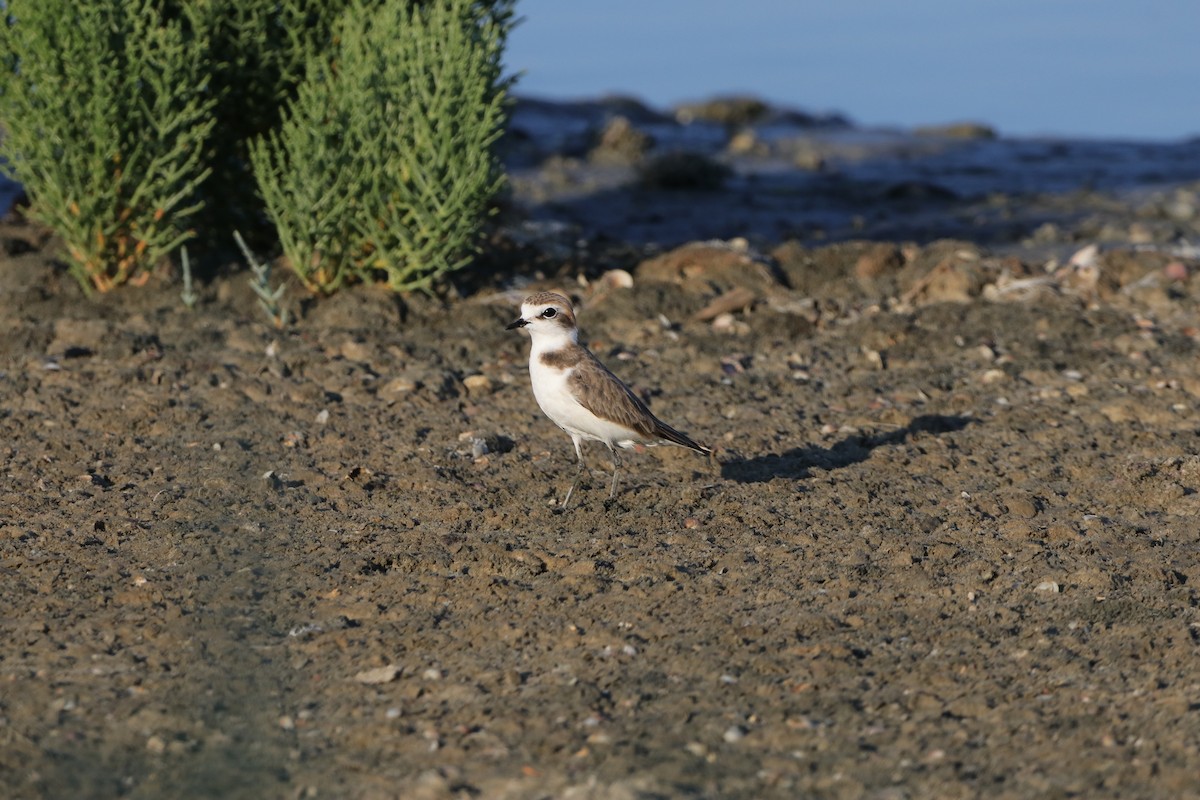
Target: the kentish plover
pixel 579 394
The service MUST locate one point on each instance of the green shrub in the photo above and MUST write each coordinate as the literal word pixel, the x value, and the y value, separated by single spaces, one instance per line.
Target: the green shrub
pixel 259 51
pixel 384 164
pixel 118 111
pixel 106 111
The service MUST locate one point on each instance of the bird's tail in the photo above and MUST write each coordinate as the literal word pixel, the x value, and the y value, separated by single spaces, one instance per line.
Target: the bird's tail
pixel 665 431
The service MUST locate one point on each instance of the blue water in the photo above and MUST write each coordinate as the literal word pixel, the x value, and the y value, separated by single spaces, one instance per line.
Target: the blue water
pixel 1103 69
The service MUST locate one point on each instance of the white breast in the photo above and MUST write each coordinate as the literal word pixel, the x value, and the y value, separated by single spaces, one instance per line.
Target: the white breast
pixel 551 387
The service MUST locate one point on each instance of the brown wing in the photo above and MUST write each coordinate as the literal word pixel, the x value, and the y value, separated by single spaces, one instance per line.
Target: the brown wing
pixel 603 393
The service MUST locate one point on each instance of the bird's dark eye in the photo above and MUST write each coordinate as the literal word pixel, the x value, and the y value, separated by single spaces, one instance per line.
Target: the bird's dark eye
pixel 549 313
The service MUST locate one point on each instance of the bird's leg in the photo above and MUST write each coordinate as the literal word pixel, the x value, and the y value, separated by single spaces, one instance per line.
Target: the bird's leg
pixel 574 483
pixel 612 491
pixel 578 472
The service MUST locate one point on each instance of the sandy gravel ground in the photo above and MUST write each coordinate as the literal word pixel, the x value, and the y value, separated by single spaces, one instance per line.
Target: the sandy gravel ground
pixel 948 546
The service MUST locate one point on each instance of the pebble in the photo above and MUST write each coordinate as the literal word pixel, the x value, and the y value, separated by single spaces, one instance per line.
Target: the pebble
pixel 723 322
pixel 985 353
pixel 735 733
pixel 478 385
pixel 1021 507
pixel 378 675
pixel 1047 586
pixel 874 358
pixel 1176 271
pixel 398 386
pixel 295 439
pixel 355 351
pixel 616 279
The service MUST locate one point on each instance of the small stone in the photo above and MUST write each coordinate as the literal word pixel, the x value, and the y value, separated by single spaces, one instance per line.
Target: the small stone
pixel 156 745
pixel 378 675
pixel 355 351
pixel 1119 413
pixel 1176 271
pixel 1061 532
pixel 478 385
pixel 1021 507
pixel 985 353
pixel 723 322
pixel 398 386
pixel 1047 586
pixel 616 279
pixel 735 733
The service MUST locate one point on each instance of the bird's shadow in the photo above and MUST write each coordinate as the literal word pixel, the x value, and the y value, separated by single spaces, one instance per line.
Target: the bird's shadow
pixel 797 462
